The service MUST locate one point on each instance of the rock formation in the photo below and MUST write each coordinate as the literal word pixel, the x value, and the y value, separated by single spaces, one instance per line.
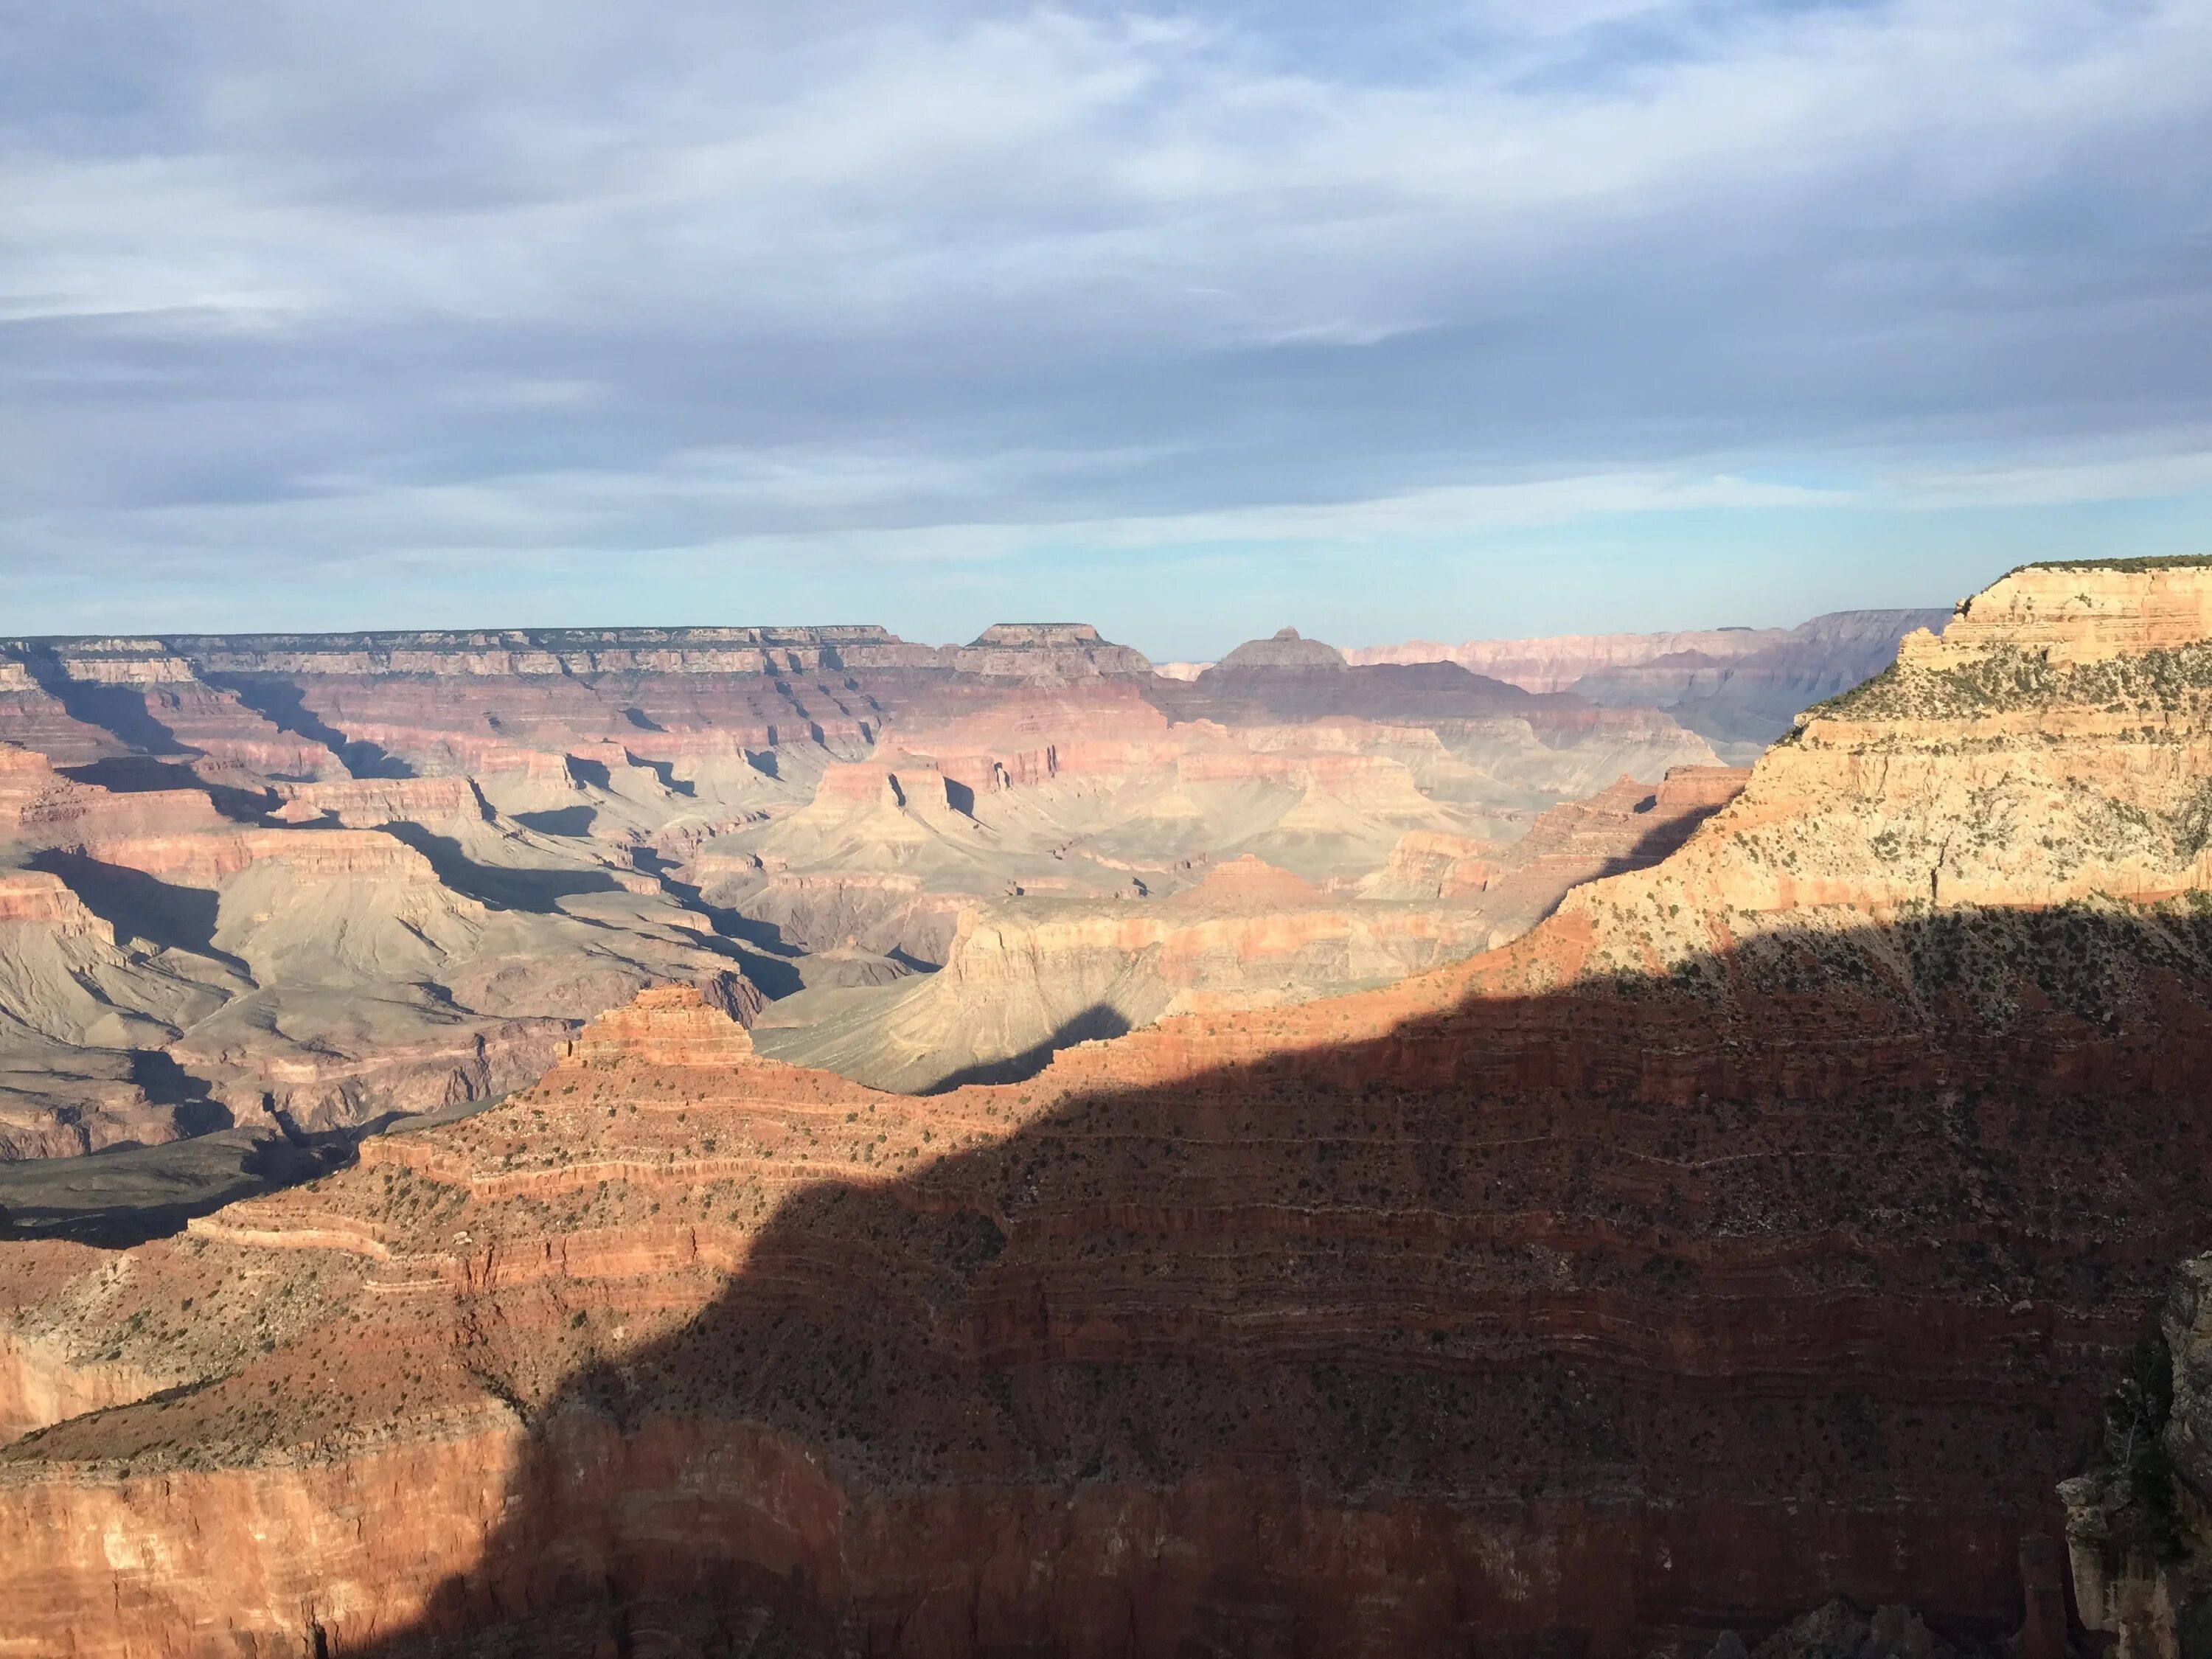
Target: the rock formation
pixel 1046 650
pixel 165 967
pixel 2139 1521
pixel 1284 650
pixel 1623 828
pixel 1760 1229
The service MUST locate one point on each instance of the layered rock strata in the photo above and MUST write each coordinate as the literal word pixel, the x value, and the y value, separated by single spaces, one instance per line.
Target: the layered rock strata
pixel 1760 1229
pixel 167 969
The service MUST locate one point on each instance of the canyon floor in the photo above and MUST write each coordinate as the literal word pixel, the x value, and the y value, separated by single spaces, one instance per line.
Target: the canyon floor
pixel 1000 1150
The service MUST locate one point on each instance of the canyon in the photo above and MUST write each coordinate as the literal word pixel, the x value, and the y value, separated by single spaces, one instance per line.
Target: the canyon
pixel 299 885
pixel 1500 1208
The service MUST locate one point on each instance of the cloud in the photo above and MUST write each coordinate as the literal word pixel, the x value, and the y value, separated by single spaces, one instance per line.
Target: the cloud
pixel 301 287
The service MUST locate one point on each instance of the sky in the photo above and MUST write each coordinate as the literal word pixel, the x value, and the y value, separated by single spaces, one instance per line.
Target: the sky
pixel 1381 320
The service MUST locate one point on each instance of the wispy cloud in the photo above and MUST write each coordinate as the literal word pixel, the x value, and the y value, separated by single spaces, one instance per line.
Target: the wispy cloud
pixel 308 286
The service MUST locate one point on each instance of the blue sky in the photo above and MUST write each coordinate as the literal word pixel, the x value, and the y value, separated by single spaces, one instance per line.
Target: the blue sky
pixel 1380 320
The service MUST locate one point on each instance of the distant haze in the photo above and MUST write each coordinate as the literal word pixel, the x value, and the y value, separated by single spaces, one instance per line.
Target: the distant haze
pixel 1389 322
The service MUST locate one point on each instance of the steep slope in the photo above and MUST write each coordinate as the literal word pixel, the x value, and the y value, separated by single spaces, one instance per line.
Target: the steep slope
pixel 2139 1521
pixel 773 795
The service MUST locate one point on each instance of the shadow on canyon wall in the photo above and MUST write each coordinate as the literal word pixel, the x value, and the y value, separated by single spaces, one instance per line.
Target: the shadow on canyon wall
pixel 122 1196
pixel 144 908
pixel 502 888
pixel 1580 1323
pixel 284 706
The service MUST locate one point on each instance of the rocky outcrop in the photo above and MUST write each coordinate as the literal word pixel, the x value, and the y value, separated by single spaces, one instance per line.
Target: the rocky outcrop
pixel 1286 651
pixel 1046 650
pixel 1840 1631
pixel 673 1025
pixel 2139 1520
pixel 39 808
pixel 371 803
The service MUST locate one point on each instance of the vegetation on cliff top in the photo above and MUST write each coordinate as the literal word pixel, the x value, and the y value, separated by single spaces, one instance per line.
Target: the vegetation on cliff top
pixel 2125 567
pixel 2007 678
pixel 1986 963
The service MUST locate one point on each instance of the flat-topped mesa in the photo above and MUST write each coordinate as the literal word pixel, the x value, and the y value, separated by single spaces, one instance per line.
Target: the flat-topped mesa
pixel 477 653
pixel 1284 650
pixel 1047 651
pixel 120 661
pixel 1033 635
pixel 33 895
pixel 2075 612
pixel 667 1025
pixel 210 855
pixel 38 807
pixel 368 803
